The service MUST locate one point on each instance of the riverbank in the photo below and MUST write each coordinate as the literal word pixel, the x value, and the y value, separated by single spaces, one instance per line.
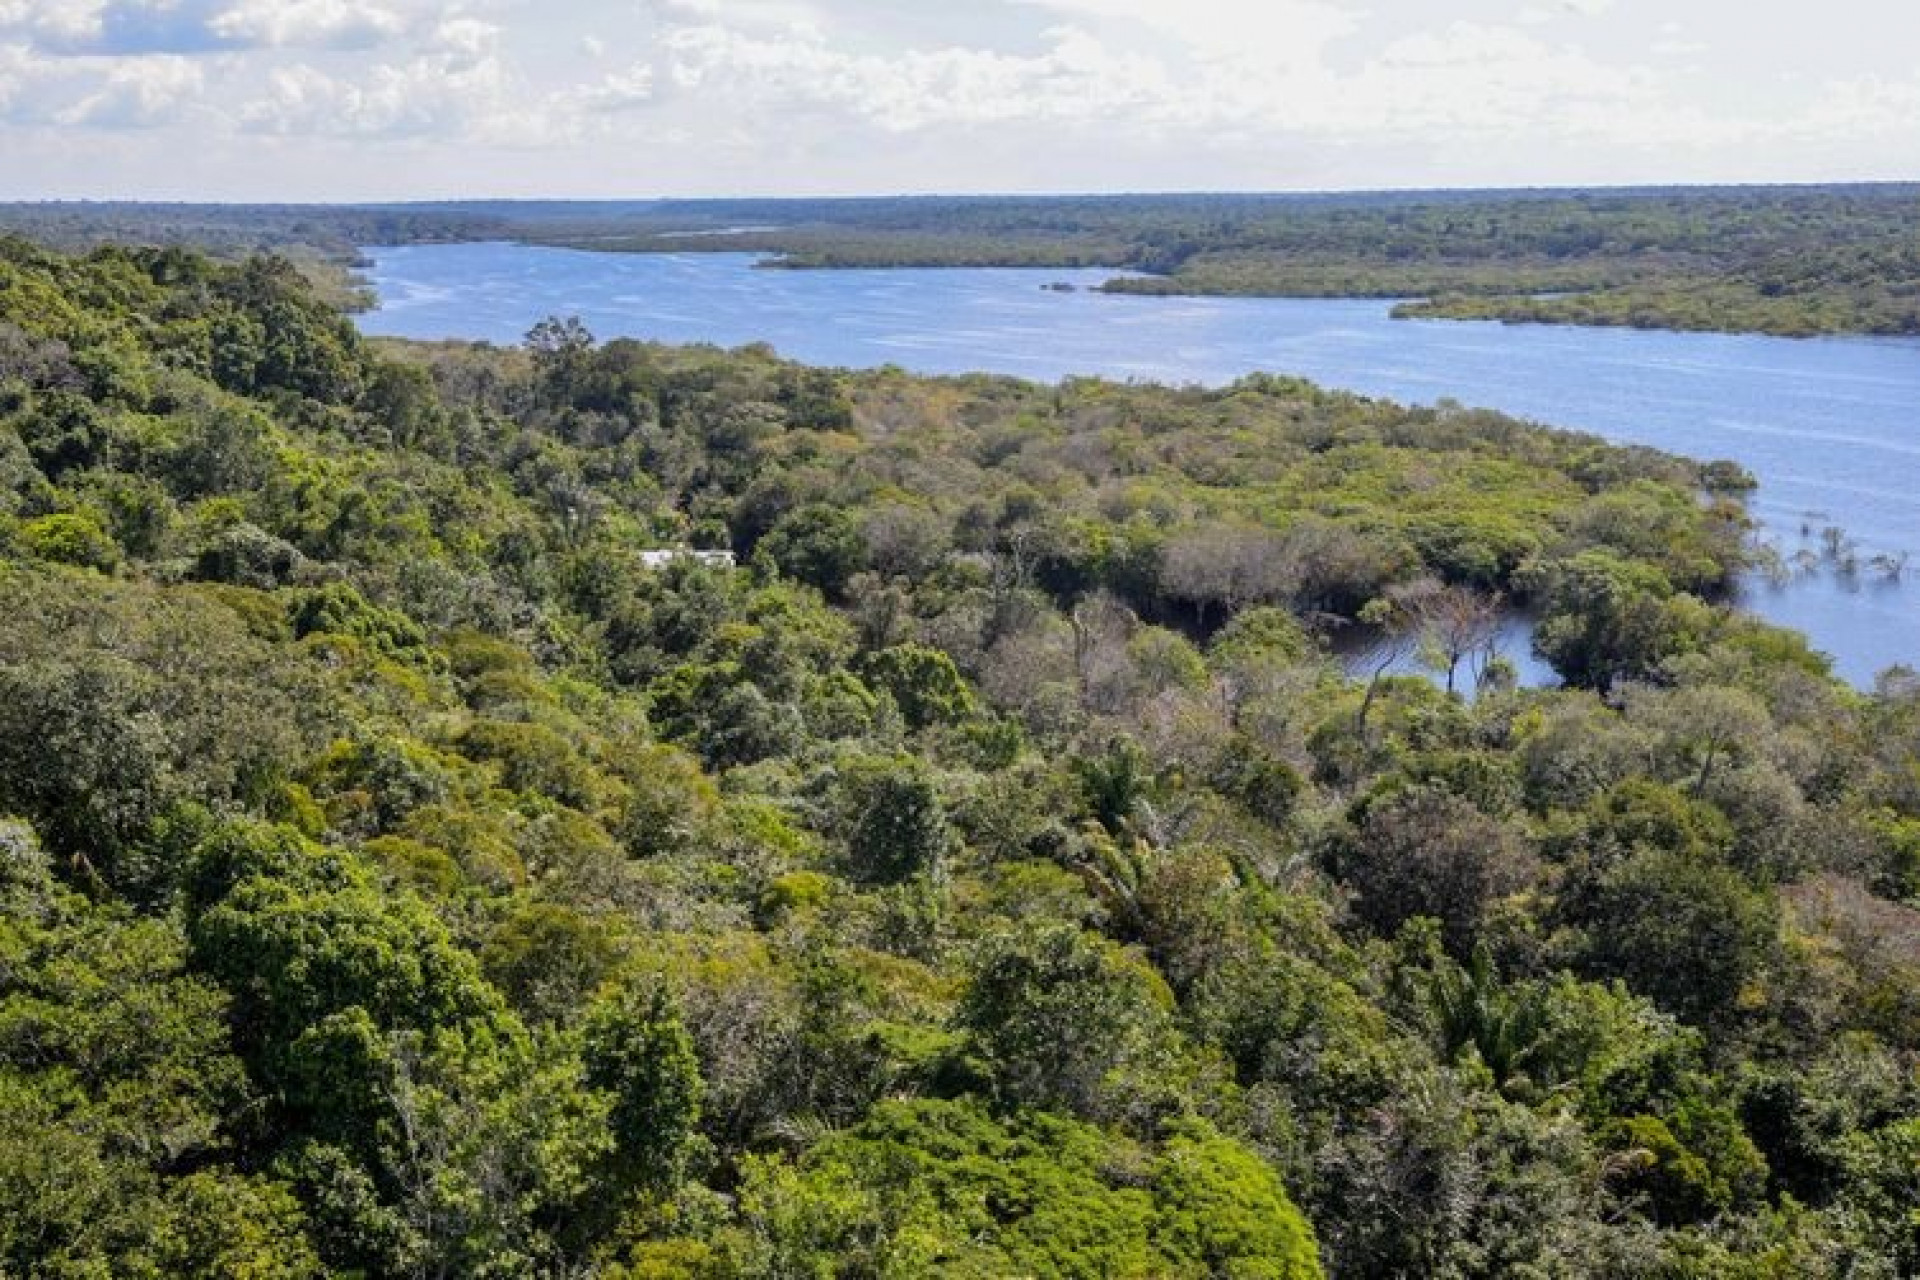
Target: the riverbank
pixel 1823 425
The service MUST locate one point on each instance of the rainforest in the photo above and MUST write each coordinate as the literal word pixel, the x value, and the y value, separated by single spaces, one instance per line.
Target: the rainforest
pixel 416 860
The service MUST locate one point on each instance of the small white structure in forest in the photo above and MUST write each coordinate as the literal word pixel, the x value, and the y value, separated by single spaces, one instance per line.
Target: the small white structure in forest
pixel 665 556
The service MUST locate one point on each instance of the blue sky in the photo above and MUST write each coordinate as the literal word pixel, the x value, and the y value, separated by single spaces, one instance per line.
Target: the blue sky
pixel 398 99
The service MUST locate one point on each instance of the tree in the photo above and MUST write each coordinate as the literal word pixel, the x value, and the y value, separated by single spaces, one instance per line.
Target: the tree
pixel 1116 784
pixel 303 935
pixel 548 958
pixel 1682 930
pixel 1455 624
pixel 293 340
pixel 636 1049
pixel 1063 1020
pixel 1604 619
pixel 1228 567
pixel 477 1159
pixel 1705 726
pixel 897 822
pixel 83 754
pixel 69 539
pixel 904 541
pixel 933 1187
pixel 1422 851
pixel 818 544
pixel 923 682
pixel 1257 659
pixel 1222 1212
pixel 1394 638
pixel 1882 1190
pixel 561 347
pixel 121 1098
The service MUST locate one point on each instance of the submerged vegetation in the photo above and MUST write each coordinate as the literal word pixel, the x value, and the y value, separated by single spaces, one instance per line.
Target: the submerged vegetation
pixel 993 875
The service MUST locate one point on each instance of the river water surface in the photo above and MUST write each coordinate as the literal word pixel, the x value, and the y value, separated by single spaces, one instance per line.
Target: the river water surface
pixel 1830 426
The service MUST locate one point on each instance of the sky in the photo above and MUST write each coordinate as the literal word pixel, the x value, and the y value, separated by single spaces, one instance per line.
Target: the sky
pixel 348 100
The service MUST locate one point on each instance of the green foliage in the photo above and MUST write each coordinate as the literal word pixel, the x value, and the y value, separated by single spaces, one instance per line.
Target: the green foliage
pixel 80 758
pixel 897 821
pixel 1263 634
pixel 1066 1021
pixel 1881 1174
pixel 477 1165
pixel 534 758
pixel 944 1188
pixel 817 544
pixel 1222 1212
pixel 923 682
pixel 248 556
pixel 1116 784
pixel 339 610
pixel 1703 1170
pixel 547 959
pixel 1603 619
pixel 305 938
pixel 114 1072
pixel 409 880
pixel 1422 851
pixel 636 1049
pixel 1689 934
pixel 69 539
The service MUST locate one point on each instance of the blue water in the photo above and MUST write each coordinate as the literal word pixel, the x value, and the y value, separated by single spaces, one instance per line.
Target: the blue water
pixel 1830 426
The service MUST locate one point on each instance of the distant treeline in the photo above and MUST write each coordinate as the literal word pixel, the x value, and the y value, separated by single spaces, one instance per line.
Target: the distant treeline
pixel 1785 260
pixel 324 241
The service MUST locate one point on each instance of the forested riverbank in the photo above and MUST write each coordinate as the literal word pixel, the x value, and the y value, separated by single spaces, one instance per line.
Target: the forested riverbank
pixel 1793 261
pixel 1787 260
pixel 992 874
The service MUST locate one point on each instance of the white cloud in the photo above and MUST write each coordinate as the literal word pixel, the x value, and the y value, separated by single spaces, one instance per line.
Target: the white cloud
pixel 97 92
pixel 1674 41
pixel 1076 79
pixel 330 24
pixel 1273 32
pixel 139 92
pixel 15 65
pixel 1863 107
pixel 467 37
pixel 750 15
pixel 56 22
pixel 1462 78
pixel 693 95
pixel 619 91
pixel 426 96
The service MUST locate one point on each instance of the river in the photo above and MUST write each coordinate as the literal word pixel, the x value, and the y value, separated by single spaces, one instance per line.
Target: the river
pixel 1830 426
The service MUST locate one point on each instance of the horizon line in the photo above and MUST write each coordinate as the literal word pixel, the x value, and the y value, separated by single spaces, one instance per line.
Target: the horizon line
pixel 1623 188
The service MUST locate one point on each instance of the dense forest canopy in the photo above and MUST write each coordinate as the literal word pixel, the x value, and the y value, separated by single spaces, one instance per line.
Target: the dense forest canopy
pixel 992 875
pixel 1784 260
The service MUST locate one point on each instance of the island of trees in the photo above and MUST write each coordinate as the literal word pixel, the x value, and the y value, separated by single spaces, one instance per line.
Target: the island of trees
pixel 991 874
